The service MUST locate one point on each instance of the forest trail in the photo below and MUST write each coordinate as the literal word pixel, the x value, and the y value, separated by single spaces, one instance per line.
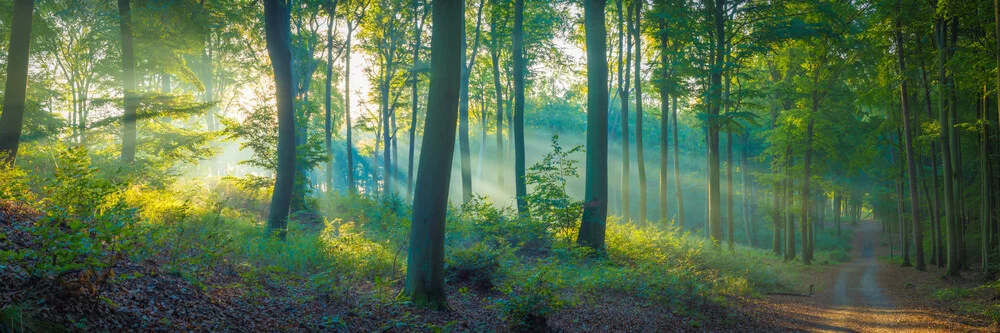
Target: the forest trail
pixel 865 295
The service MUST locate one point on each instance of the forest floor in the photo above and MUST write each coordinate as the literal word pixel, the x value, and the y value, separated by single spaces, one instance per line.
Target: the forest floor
pixel 870 294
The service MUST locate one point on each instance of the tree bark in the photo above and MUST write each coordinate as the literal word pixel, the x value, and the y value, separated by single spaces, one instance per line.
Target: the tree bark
pixel 12 118
pixel 911 164
pixel 498 89
pixel 624 78
pixel 463 107
pixel 953 266
pixel 328 128
pixel 277 28
pixel 595 211
pixel 677 168
pixel 639 153
pixel 348 142
pixel 425 262
pixel 521 190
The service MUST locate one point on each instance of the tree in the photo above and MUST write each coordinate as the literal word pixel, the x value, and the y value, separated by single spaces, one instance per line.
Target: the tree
pixel 331 8
pixel 277 30
pixel 425 262
pixel 911 165
pixel 128 80
pixel 355 13
pixel 624 79
pixel 418 28
pixel 595 207
pixel 463 108
pixel 521 189
pixel 639 156
pixel 12 118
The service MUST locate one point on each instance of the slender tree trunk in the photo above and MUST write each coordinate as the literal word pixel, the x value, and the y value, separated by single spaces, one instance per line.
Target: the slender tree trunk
pixel 729 174
pixel 415 99
pixel 677 168
pixel 328 128
pixel 789 219
pixel 425 263
pixel 351 188
pixel 498 88
pixel 714 197
pixel 277 28
pixel 639 152
pixel 806 174
pixel 623 90
pixel 944 119
pixel 12 118
pixel 521 189
pixel 128 78
pixel 911 164
pixel 747 221
pixel 664 119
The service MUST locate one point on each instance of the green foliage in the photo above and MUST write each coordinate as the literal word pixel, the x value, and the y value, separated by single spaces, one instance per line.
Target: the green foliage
pixel 23 318
pixel 531 298
pixel 480 265
pixel 258 132
pixel 86 226
pixel 497 226
pixel 15 186
pixel 548 201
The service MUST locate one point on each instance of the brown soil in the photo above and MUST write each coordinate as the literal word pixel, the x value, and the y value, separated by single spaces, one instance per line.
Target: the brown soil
pixel 869 295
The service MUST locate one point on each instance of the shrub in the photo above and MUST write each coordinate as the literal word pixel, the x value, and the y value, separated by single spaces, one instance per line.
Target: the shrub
pixel 530 299
pixel 548 201
pixel 479 265
pixel 480 220
pixel 85 227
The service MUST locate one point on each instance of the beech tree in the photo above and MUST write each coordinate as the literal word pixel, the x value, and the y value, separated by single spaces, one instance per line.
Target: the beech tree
pixel 277 29
pixel 12 118
pixel 425 262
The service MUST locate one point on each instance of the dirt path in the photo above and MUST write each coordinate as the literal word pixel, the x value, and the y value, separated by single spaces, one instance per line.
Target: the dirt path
pixel 867 295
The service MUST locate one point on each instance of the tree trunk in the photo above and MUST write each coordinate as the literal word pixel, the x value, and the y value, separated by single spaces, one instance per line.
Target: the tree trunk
pixel 328 128
pixel 746 195
pixel 729 174
pixel 789 219
pixel 911 164
pixel 425 265
pixel 944 119
pixel 463 108
pixel 595 211
pixel 623 90
pixel 128 79
pixel 347 109
pixel 639 153
pixel 498 88
pixel 521 190
pixel 806 174
pixel 12 118
pixel 714 193
pixel 277 28
pixel 415 99
pixel 677 168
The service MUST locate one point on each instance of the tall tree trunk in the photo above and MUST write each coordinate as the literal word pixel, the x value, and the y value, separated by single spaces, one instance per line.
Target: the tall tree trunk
pixel 714 190
pixel 904 232
pixel 12 118
pixel 664 119
pixel 521 190
pixel 498 89
pixel 806 174
pixel 624 60
pixel 128 79
pixel 349 143
pixel 639 153
pixel 944 119
pixel 463 107
pixel 746 195
pixel 425 263
pixel 595 211
pixel 729 174
pixel 415 97
pixel 277 28
pixel 789 219
pixel 328 126
pixel 938 256
pixel 677 168
pixel 911 164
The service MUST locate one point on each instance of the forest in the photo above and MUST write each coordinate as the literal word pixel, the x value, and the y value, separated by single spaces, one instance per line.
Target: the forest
pixel 500 166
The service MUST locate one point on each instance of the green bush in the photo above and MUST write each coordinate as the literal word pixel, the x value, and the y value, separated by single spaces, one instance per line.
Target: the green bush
pixel 479 220
pixel 479 265
pixel 86 223
pixel 548 201
pixel 531 298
